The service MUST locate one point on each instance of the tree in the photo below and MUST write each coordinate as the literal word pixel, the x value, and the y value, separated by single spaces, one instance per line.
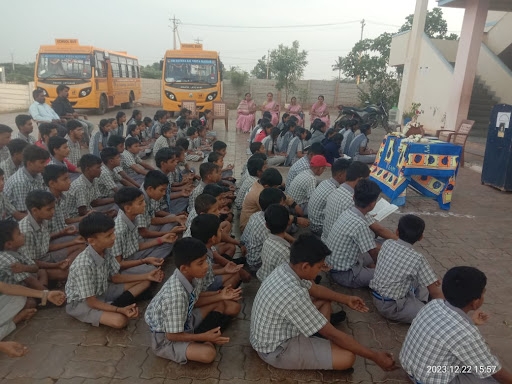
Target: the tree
pixel 23 73
pixel 436 26
pixel 239 80
pixel 338 66
pixel 288 64
pixel 152 71
pixel 260 69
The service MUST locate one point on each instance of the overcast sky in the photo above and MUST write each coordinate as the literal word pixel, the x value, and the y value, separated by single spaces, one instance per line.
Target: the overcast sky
pixel 142 27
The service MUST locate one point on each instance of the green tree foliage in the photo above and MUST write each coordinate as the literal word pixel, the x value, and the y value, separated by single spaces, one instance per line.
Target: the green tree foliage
pixel 152 71
pixel 288 64
pixel 436 26
pixel 260 69
pixel 338 66
pixel 239 79
pixel 22 74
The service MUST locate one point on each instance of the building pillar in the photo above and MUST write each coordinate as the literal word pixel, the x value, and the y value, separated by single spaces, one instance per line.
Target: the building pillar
pixel 466 62
pixel 412 56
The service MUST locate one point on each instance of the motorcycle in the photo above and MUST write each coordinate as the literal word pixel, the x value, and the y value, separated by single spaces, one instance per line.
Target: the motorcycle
pixel 375 115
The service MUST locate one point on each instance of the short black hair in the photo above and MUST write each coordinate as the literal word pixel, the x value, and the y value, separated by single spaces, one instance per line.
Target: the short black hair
pixel 254 165
pixel 5 129
pixel 308 249
pixel 365 193
pixel 340 166
pixel 73 124
pixel 129 142
pixel 218 145
pixel 46 128
pixel 206 169
pixel 61 87
pixel 183 143
pixel 258 155
pixel 357 170
pixel 108 153
pixel 166 128
pixel 163 155
pixel 204 227
pixel 187 250
pixel 270 196
pixel 33 153
pixel 462 285
pixel 16 146
pixel 7 228
pixel 94 223
pixel 55 142
pixel 410 228
pixel 52 172
pixel 21 120
pixel 255 146
pixel 36 92
pixel 214 157
pixel 154 179
pixel 271 177
pixel 88 160
pixel 277 217
pixel 115 140
pixel 126 195
pixel 38 199
pixel 191 131
pixel 316 149
pixel 215 189
pixel 204 202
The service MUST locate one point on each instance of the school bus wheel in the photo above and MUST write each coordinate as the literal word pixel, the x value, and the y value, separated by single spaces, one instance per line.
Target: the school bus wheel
pixel 129 105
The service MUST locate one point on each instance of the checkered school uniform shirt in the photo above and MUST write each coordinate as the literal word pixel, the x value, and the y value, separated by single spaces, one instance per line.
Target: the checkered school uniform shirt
pixel 128 159
pixel 108 179
pixel 210 276
pixel 19 185
pixel 302 186
pixel 127 236
pixel 170 309
pixel 282 310
pixel 58 221
pixel 337 202
pixel 196 192
pixel 74 151
pixel 37 238
pixel 300 165
pixel 444 336
pixel 399 268
pixel 6 208
pixel 243 190
pixel 8 258
pixel 161 142
pixel 9 167
pixel 349 237
pixel 4 153
pixel 28 139
pixel 81 193
pixel 255 234
pixel 89 275
pixel 275 252
pixel 152 206
pixel 318 201
pixel 191 216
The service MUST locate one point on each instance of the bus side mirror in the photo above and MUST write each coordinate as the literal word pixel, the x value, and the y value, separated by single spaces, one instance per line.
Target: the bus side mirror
pixel 161 65
pixel 92 60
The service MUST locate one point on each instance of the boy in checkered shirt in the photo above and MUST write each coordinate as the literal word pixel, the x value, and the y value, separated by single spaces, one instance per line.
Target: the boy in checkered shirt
pixel 7 210
pixel 290 312
pixel 28 178
pixel 117 142
pixel 352 242
pixel 15 161
pixel 112 176
pixel 132 163
pixel 96 292
pixel 74 138
pixel 185 321
pixel 403 278
pixel 443 344
pixel 210 174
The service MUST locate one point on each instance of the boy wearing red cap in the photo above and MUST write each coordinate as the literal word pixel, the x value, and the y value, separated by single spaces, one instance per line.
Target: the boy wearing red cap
pixel 303 185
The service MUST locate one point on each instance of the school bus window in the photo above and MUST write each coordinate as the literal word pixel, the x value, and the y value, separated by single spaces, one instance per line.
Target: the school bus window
pixel 74 66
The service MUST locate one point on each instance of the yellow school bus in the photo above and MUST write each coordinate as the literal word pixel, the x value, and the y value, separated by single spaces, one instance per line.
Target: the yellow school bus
pixel 98 78
pixel 191 73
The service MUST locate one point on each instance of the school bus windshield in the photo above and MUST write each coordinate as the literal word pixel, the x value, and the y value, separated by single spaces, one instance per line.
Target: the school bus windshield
pixel 59 65
pixel 191 71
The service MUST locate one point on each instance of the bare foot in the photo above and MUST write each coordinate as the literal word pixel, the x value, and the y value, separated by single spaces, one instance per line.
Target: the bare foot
pixel 24 314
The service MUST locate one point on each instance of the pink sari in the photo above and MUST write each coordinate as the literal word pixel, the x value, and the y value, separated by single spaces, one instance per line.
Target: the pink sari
pixel 294 110
pixel 245 119
pixel 317 111
pixel 270 108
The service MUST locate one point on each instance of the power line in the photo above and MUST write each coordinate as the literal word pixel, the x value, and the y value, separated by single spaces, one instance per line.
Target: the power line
pixel 270 26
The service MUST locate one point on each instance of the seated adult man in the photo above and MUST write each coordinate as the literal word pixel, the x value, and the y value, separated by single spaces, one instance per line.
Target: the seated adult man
pixel 43 113
pixel 63 108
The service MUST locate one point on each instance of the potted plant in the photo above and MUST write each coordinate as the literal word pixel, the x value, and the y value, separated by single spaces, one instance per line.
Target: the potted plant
pixel 412 113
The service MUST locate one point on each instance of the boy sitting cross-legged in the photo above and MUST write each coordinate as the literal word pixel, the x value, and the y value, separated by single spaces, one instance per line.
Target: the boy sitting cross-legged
pixel 59 151
pixel 132 163
pixel 110 179
pixel 74 138
pixel 186 322
pixel 55 258
pixel 133 255
pixel 84 193
pixel 96 292
pixel 403 278
pixel 15 161
pixel 289 311
pixel 117 142
pixel 168 137
pixel 210 173
pixel 7 210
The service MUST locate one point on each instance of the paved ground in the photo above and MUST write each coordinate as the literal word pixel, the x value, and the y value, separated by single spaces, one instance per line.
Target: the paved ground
pixel 475 232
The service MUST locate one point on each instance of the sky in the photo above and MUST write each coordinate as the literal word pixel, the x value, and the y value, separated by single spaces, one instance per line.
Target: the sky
pixel 142 27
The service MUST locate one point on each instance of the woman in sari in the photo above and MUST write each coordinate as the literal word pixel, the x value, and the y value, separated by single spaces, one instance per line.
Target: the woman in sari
pixel 295 109
pixel 320 111
pixel 271 106
pixel 246 110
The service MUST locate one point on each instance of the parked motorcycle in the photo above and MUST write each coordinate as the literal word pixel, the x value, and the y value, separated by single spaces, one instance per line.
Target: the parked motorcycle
pixel 375 115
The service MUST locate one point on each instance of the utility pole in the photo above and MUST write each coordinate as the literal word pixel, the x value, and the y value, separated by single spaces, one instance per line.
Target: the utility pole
pixel 12 59
pixel 363 24
pixel 268 63
pixel 198 41
pixel 175 23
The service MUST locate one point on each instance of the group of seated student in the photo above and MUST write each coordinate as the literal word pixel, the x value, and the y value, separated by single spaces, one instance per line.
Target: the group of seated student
pixel 107 234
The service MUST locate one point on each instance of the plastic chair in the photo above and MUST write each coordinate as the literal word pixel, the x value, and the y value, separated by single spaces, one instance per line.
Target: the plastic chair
pixel 458 137
pixel 220 111
pixel 191 106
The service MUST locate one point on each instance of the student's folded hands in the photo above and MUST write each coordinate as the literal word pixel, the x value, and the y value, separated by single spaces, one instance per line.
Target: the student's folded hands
pixel 231 267
pixel 180 228
pixel 131 311
pixel 153 261
pixel 57 297
pixel 215 336
pixel 70 230
pixel 156 275
pixel 479 317
pixel 169 237
pixel 229 293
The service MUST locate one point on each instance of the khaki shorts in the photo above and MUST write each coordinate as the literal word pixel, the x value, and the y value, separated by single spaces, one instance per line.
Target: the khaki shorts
pixel 174 350
pixel 301 352
pixel 81 311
